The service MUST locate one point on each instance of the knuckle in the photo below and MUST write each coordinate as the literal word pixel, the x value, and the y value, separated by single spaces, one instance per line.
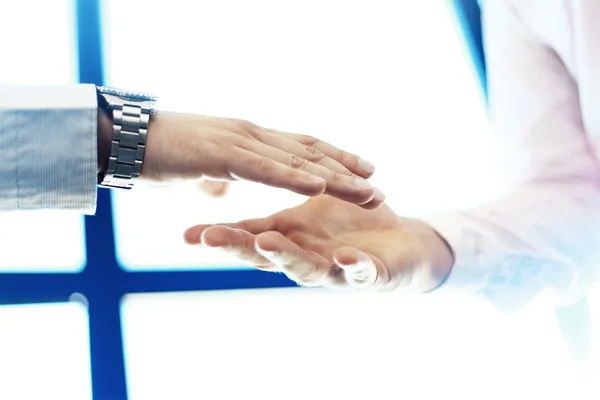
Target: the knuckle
pixel 347 172
pixel 308 140
pixel 341 154
pixel 337 177
pixel 298 162
pixel 243 225
pixel 296 238
pixel 265 164
pixel 247 244
pixel 313 154
pixel 246 127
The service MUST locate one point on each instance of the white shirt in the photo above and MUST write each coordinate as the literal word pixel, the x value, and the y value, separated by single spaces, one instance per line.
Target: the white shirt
pixel 543 59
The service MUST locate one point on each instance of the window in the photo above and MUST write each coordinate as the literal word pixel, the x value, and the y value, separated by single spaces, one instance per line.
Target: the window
pixel 366 77
pixel 43 54
pixel 293 344
pixel 38 42
pixel 44 352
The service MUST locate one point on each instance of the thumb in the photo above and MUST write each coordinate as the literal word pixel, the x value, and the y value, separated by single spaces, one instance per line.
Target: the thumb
pixel 359 268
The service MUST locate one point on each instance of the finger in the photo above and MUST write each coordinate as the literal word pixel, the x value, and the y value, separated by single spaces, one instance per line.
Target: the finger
pixel 275 139
pixel 351 189
pixel 254 226
pixel 351 161
pixel 214 188
pixel 377 200
pixel 235 242
pixel 258 225
pixel 193 235
pixel 250 166
pixel 360 270
pixel 304 267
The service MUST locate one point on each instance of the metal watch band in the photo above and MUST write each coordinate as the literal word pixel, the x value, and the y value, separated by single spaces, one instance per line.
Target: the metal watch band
pixel 131 116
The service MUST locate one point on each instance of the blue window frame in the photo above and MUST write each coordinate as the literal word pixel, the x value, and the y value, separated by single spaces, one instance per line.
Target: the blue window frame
pixel 469 16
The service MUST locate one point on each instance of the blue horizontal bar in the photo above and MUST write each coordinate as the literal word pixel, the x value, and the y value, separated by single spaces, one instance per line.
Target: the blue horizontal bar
pixel 53 287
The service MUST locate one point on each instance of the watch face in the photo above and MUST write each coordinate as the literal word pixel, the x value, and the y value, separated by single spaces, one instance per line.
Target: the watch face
pixel 126 94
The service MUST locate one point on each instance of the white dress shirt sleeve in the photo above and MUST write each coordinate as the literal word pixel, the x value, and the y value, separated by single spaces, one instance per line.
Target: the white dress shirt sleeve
pixel 545 232
pixel 48 145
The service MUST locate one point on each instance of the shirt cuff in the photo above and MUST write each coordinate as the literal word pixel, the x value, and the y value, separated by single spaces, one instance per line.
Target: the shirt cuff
pixel 490 268
pixel 467 273
pixel 48 138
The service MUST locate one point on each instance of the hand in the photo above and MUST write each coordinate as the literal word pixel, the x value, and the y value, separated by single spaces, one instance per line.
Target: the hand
pixel 188 147
pixel 327 242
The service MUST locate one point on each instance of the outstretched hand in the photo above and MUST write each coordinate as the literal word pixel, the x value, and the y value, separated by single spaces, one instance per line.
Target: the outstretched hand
pixel 191 147
pixel 331 243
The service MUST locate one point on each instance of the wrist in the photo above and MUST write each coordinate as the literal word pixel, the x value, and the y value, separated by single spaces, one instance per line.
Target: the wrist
pixel 439 255
pixel 105 134
pixel 158 140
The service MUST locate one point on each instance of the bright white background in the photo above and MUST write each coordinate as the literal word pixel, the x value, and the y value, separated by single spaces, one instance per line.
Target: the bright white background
pixel 44 352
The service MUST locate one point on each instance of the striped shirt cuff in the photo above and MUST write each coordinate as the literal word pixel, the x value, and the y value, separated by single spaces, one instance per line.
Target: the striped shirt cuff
pixel 48 139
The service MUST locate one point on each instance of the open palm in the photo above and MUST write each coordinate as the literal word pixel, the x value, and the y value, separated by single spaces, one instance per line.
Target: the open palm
pixel 324 242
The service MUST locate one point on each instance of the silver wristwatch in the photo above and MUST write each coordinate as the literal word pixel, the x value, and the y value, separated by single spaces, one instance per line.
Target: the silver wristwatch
pixel 131 114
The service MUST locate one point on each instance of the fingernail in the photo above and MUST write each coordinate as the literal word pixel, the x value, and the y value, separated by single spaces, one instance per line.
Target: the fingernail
pixel 362 184
pixel 378 195
pixel 366 166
